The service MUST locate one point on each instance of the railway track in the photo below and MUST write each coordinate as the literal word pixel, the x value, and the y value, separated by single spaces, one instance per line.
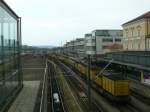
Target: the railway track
pixel 131 107
pixel 79 90
pixel 56 96
pixel 140 97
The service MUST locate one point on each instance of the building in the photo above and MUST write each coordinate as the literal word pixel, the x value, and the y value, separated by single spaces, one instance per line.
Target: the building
pixel 75 48
pixel 113 48
pixel 89 44
pixel 79 46
pixel 96 43
pixel 99 40
pixel 136 33
pixel 10 45
pixel 68 48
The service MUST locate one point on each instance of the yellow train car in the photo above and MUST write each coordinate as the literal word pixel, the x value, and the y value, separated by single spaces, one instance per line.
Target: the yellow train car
pixel 98 81
pixel 113 86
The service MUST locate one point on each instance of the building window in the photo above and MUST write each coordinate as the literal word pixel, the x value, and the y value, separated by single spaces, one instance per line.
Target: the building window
pixel 126 34
pixel 139 43
pixel 90 48
pixel 139 33
pixel 131 33
pixel 139 39
pixel 131 44
pixel 124 44
pixel 117 40
pixel 148 44
pixel 105 46
pixel 107 40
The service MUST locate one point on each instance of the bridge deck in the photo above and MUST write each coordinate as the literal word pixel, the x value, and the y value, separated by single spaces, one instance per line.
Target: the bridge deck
pixel 26 99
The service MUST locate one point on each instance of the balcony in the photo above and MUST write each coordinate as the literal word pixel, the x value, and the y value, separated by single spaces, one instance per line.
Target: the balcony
pixel 90 52
pixel 90 44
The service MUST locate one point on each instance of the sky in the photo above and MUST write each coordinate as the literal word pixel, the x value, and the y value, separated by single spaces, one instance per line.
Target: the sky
pixel 54 22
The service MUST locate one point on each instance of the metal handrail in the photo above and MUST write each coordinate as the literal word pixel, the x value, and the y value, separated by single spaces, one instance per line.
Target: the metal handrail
pixel 43 88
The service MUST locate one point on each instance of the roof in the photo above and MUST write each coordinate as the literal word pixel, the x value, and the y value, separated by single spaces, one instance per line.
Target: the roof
pixel 144 16
pixel 8 9
pixel 99 30
pixel 110 32
pixel 88 35
pixel 78 39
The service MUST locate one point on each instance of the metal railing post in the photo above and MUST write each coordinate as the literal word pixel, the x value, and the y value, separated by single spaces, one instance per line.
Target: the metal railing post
pixel 43 106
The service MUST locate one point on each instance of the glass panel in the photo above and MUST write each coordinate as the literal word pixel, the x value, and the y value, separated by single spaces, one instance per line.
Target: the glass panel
pixel 8 56
pixel 1 67
pixel 2 88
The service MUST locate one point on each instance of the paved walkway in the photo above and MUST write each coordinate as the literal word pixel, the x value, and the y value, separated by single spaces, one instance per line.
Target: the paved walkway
pixel 26 99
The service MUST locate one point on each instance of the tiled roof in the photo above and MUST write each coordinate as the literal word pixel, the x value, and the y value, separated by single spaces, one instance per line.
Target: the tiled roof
pixel 145 15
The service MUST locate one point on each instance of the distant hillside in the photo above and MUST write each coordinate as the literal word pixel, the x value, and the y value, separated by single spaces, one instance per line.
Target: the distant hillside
pixel 45 46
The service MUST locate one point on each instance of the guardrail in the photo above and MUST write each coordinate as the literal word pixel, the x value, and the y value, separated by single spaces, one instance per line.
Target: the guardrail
pixel 43 102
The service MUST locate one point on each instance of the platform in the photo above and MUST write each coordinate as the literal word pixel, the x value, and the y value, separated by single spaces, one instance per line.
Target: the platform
pixel 141 89
pixel 26 99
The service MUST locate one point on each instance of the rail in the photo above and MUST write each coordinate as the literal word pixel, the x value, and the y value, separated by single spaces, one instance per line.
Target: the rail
pixel 79 88
pixel 135 105
pixel 44 91
pixel 56 94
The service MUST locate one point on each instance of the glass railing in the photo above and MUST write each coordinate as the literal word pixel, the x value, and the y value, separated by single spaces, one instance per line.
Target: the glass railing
pixel 7 86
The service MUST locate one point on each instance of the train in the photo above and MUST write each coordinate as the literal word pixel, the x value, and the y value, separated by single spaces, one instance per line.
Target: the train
pixel 110 84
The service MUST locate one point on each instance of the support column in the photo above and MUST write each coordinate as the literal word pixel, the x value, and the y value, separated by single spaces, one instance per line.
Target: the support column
pixel 142 76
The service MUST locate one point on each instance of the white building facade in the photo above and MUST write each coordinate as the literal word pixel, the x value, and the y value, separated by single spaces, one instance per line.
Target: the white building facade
pixel 75 48
pixel 93 43
pixel 89 44
pixel 106 38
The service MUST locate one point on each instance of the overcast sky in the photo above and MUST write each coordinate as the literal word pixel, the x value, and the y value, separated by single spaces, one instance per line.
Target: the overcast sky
pixel 50 22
